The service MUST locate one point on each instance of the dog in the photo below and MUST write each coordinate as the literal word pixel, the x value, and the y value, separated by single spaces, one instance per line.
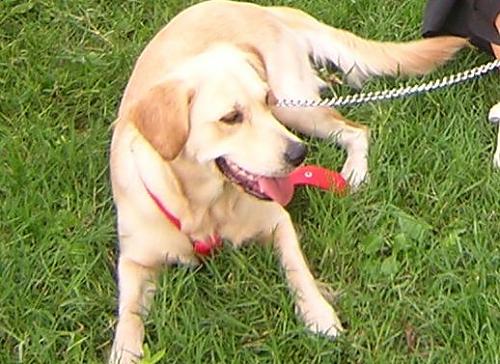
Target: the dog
pixel 200 144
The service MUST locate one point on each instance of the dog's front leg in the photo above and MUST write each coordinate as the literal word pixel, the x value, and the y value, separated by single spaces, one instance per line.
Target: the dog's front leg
pixel 137 285
pixel 316 312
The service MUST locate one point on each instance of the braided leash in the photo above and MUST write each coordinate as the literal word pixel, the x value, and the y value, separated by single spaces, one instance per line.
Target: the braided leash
pixel 361 98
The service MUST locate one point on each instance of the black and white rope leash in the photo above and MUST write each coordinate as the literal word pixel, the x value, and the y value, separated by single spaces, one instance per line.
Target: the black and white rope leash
pixel 395 93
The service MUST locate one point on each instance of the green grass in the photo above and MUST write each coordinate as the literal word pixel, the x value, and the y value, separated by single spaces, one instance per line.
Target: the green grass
pixel 414 254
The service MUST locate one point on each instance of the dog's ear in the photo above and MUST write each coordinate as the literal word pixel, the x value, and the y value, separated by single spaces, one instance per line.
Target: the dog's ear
pixel 162 117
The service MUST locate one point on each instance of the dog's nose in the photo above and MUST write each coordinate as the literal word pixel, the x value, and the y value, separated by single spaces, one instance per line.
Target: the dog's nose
pixel 295 153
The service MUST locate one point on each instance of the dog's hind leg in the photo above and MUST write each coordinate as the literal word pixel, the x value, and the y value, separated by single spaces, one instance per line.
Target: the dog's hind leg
pixel 325 123
pixel 291 76
pixel 137 285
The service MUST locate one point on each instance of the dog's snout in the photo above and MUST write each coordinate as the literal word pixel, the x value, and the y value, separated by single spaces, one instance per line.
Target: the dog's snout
pixel 295 153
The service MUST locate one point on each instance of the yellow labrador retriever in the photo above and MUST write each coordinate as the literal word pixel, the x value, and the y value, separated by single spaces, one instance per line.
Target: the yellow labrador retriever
pixel 199 143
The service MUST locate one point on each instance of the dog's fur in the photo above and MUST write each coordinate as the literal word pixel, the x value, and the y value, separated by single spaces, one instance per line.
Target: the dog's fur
pixel 206 87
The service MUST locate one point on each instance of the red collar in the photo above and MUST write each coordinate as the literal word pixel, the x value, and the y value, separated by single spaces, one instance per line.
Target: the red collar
pixel 200 247
pixel 306 175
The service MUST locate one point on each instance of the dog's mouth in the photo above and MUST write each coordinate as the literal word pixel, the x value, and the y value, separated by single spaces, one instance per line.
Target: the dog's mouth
pixel 277 189
pixel 241 177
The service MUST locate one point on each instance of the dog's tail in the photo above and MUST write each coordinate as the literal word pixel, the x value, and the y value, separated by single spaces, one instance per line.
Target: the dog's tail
pixel 360 58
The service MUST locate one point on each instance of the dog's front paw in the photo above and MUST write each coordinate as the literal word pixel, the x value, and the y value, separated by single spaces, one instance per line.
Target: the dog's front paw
pixel 127 346
pixel 320 318
pixel 496 158
pixel 355 171
pixel 124 356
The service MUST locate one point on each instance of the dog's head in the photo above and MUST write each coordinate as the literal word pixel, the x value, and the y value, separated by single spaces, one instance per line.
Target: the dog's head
pixel 216 110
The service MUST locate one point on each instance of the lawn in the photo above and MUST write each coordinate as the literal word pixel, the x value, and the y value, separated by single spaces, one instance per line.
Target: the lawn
pixel 414 255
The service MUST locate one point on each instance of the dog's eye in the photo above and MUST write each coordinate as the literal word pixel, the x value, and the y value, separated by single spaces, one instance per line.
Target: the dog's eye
pixel 234 117
pixel 271 99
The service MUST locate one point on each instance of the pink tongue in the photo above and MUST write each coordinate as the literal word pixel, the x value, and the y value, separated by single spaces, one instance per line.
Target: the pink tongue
pixel 278 189
pixel 281 189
